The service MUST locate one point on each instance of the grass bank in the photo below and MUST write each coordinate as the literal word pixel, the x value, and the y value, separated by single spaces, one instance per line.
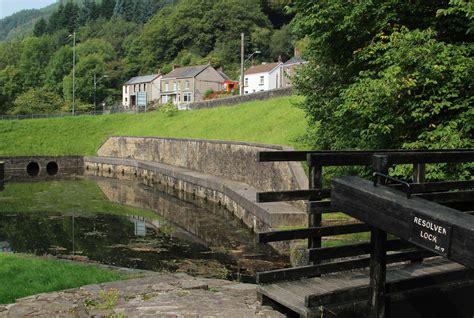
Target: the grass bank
pixel 24 275
pixel 275 121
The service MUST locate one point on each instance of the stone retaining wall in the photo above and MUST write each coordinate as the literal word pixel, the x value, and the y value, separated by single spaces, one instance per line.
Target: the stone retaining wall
pixel 231 160
pixel 237 197
pixel 17 167
pixel 234 100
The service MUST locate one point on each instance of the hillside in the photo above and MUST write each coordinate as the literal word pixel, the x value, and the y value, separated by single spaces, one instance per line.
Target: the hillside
pixel 275 121
pixel 22 23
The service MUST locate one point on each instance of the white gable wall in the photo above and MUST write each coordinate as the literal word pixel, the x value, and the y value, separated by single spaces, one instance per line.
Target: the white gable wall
pixel 271 80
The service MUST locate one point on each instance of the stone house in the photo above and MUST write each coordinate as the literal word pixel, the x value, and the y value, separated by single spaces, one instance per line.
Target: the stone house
pixel 185 85
pixel 290 68
pixel 263 77
pixel 149 84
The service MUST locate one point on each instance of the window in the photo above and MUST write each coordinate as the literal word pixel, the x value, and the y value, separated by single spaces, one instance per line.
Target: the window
pixel 187 85
pixel 126 89
pixel 164 99
pixel 167 86
pixel 187 97
pixel 246 92
pixel 134 88
pixel 144 87
pixel 126 100
pixel 262 80
pixel 179 86
pixel 175 86
pixel 246 81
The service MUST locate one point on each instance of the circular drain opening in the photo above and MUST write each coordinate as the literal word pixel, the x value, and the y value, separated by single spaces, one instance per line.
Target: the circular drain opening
pixel 52 168
pixel 33 169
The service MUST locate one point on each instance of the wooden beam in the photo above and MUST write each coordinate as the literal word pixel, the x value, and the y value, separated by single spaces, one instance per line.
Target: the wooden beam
pixel 391 211
pixel 333 267
pixel 348 250
pixel 319 231
pixel 278 196
pixel 448 197
pixel 274 156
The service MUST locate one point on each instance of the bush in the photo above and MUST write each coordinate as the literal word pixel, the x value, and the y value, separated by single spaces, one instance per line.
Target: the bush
pixel 169 108
pixel 208 93
pixel 37 101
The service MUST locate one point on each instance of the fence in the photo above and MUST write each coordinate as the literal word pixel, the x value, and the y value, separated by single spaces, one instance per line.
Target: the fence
pixel 91 113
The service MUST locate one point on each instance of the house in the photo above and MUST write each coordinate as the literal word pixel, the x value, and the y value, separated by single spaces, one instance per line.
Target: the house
pixel 290 68
pixel 184 85
pixel 147 87
pixel 262 77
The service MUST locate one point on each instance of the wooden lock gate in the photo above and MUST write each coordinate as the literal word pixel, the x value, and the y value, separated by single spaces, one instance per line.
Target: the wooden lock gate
pixel 431 228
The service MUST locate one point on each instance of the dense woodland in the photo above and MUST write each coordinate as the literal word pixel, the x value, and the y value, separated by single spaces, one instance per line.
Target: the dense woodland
pixel 382 74
pixel 125 38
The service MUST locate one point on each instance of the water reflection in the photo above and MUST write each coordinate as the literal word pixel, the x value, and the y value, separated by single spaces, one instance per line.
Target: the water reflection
pixel 112 222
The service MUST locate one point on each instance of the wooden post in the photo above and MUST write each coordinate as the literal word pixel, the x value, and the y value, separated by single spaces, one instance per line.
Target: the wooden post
pixel 314 219
pixel 378 263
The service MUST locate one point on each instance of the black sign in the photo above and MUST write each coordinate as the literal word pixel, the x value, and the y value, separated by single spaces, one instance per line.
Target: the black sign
pixel 431 234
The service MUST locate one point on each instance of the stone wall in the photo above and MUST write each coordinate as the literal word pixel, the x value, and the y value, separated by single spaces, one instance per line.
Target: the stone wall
pixel 231 160
pixel 17 167
pixel 230 101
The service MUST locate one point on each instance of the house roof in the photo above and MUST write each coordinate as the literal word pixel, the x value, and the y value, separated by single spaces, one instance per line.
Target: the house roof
pixel 262 68
pixel 224 75
pixel 295 60
pixel 189 71
pixel 142 79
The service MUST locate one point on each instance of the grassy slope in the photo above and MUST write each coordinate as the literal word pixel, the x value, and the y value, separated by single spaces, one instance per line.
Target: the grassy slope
pixel 23 275
pixel 275 121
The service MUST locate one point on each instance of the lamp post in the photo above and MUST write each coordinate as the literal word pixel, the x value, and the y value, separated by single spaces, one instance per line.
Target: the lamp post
pixel 73 35
pixel 242 63
pixel 95 87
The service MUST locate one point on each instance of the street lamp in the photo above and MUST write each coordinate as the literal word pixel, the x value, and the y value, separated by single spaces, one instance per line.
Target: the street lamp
pixel 242 63
pixel 73 35
pixel 95 87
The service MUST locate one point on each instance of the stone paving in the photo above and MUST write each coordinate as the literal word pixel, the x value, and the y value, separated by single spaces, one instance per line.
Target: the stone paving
pixel 157 295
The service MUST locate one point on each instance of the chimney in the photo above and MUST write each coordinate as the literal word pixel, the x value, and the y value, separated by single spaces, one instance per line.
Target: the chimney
pixel 175 66
pixel 209 62
pixel 221 69
pixel 297 52
pixel 280 59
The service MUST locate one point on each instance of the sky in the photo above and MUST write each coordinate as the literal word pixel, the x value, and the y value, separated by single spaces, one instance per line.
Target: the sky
pixel 8 7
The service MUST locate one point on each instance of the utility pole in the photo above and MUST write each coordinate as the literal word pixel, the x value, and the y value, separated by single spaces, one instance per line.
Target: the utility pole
pixel 242 61
pixel 74 74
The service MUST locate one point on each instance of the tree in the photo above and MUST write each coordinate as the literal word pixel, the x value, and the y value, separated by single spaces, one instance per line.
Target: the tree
pixel 59 66
pixel 281 43
pixel 33 61
pixel 37 101
pixel 40 28
pixel 382 75
pixel 387 75
pixel 10 87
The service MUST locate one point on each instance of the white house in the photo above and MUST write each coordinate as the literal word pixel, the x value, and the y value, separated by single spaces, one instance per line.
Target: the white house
pixel 262 77
pixel 149 84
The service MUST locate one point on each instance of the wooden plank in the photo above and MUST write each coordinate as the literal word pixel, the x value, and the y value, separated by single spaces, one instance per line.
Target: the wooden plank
pixel 293 195
pixel 361 158
pixel 349 250
pixel 321 207
pixel 378 269
pixel 391 211
pixel 359 293
pixel 273 156
pixel 305 233
pixel 284 274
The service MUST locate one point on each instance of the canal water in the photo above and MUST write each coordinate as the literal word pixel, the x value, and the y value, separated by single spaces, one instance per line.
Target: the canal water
pixel 124 223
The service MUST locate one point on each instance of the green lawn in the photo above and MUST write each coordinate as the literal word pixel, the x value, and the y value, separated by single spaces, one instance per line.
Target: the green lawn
pixel 275 121
pixel 23 275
